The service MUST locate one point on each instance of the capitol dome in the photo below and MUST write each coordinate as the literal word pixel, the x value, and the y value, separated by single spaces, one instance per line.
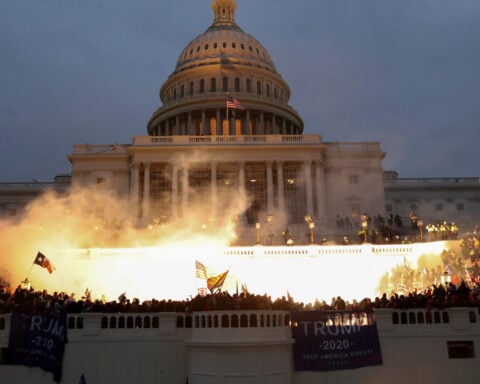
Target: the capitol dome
pixel 224 61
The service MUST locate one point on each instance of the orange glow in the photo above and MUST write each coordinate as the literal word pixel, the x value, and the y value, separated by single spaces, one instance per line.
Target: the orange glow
pixel 113 256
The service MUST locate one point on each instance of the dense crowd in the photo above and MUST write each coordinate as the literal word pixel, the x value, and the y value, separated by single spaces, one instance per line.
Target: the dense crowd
pixel 28 300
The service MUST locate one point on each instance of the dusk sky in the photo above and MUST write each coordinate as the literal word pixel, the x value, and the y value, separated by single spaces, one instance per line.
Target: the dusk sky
pixel 405 73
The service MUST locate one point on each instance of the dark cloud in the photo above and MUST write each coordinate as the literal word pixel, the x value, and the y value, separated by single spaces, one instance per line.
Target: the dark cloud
pixel 404 73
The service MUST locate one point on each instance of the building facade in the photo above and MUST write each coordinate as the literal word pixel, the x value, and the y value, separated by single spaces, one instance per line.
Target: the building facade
pixel 225 134
pixel 224 130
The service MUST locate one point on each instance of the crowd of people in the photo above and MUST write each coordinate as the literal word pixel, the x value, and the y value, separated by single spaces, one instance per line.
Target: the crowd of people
pixel 456 283
pixel 395 229
pixel 29 300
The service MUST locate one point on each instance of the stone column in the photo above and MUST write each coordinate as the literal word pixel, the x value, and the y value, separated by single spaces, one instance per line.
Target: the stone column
pixel 321 191
pixel 134 187
pixel 246 130
pixel 167 128
pixel 146 191
pixel 177 125
pixel 231 124
pixel 241 176
pixel 219 122
pixel 175 191
pixel 204 123
pixel 189 124
pixel 308 186
pixel 270 205
pixel 280 187
pixel 261 128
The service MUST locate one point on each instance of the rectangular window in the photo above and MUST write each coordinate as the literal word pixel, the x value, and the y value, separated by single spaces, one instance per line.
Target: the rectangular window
pixel 460 207
pixel 462 349
pixel 439 207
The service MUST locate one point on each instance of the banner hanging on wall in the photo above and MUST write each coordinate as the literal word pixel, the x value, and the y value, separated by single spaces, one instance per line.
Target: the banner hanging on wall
pixel 333 340
pixel 38 340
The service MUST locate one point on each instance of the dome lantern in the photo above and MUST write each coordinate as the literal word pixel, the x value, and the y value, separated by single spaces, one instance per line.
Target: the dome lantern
pixel 224 11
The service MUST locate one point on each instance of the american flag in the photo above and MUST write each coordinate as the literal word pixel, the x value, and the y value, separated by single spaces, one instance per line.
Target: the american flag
pixel 200 270
pixel 234 103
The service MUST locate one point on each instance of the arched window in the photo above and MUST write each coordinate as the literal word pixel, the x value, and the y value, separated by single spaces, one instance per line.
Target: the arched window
pixel 225 323
pixel 146 322
pixel 182 91
pixel 104 323
pixel 225 84
pixel 121 322
pixel 243 321
pixel 259 88
pixel 179 321
pixel 202 86
pixel 175 94
pixel 191 88
pixel 267 88
pixel 249 85
pixel 237 84
pixel 213 84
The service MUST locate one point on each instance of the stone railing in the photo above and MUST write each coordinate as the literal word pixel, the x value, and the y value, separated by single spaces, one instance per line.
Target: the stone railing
pixel 228 140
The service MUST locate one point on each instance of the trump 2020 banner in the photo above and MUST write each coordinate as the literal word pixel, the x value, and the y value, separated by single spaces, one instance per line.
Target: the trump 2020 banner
pixel 332 340
pixel 38 340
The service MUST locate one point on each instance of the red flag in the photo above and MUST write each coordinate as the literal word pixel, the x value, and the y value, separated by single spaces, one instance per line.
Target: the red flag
pixel 43 262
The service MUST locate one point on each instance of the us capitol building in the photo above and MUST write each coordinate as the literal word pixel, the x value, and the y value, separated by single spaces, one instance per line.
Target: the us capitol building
pixel 198 150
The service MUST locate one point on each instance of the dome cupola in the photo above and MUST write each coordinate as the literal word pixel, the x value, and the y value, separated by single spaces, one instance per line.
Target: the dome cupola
pixel 224 60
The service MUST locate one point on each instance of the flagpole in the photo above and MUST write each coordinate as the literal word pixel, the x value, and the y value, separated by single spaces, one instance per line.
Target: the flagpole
pixel 30 270
pixel 228 122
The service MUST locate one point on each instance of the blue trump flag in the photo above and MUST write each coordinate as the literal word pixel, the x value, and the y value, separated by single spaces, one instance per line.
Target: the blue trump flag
pixel 38 340
pixel 333 340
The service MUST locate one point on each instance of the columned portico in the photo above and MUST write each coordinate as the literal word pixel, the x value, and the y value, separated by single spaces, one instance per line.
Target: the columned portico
pixel 134 186
pixel 280 186
pixel 269 187
pixel 322 213
pixel 146 191
pixel 308 186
